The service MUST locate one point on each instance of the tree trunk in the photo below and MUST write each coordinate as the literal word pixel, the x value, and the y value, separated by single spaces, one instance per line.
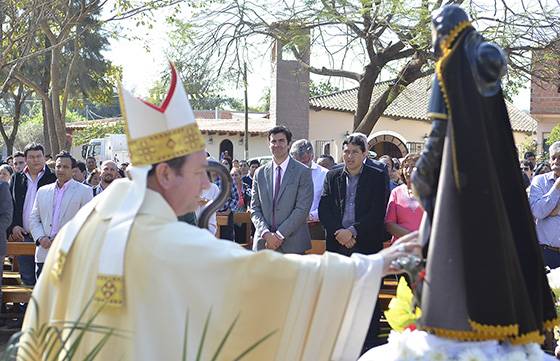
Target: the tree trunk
pixel 49 120
pixel 9 146
pixel 45 81
pixel 57 121
pixel 410 73
pixel 6 138
pixel 365 91
pixel 10 139
pixel 46 132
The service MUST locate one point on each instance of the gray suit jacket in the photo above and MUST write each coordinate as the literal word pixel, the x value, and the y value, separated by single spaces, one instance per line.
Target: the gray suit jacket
pixel 294 202
pixel 6 211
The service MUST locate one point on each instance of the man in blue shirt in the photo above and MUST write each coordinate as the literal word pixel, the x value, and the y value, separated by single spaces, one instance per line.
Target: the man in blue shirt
pixel 544 196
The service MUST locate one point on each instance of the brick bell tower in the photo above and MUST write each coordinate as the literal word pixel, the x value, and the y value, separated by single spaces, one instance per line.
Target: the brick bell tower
pixel 545 92
pixel 289 93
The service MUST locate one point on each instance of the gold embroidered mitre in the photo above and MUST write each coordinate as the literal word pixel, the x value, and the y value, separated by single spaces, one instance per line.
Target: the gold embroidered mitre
pixel 160 133
pixel 155 134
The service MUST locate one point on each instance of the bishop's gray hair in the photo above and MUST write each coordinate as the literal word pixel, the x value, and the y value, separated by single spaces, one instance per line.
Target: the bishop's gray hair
pixel 301 147
pixel 554 148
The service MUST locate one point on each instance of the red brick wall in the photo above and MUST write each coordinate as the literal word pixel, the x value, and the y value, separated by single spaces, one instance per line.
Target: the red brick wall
pixel 545 92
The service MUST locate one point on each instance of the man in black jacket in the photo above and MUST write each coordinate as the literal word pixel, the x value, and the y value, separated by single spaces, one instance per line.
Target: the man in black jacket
pixel 23 187
pixel 352 210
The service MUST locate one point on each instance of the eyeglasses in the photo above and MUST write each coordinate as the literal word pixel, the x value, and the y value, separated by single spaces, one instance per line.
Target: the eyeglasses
pixel 525 168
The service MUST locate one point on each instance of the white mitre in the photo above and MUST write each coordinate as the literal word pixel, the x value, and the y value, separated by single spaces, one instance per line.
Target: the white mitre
pixel 155 134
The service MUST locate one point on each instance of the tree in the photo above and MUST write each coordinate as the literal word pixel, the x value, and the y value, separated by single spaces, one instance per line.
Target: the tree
pixel 54 48
pixel 392 37
pixel 321 88
pixel 205 91
pixel 554 135
pixel 97 130
pixel 13 105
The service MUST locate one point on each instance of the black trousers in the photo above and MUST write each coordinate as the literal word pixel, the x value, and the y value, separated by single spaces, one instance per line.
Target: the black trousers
pixel 372 337
pixel 228 232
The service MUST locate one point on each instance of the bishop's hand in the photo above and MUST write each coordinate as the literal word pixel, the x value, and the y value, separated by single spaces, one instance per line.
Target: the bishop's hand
pixel 405 246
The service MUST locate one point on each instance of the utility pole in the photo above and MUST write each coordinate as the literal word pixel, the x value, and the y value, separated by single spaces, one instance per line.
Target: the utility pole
pixel 246 140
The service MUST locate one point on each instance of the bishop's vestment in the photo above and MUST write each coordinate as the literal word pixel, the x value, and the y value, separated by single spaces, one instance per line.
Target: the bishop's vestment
pixel 316 307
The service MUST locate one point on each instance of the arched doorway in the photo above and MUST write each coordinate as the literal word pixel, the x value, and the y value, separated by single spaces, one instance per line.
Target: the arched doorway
pixel 226 145
pixel 388 144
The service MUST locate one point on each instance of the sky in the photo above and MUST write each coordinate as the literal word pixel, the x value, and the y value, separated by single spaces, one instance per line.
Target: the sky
pixel 143 61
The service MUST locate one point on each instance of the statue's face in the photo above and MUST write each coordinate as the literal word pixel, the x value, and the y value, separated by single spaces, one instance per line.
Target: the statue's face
pixel 435 43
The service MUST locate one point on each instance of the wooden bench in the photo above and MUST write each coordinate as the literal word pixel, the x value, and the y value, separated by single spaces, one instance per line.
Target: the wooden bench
pixel 220 221
pixel 318 246
pixel 239 218
pixel 245 218
pixel 12 289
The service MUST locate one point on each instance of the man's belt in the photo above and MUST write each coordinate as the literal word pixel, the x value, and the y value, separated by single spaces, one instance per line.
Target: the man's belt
pixel 551 248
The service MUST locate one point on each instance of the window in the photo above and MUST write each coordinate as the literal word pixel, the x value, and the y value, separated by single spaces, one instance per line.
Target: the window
pixel 545 146
pixel 322 147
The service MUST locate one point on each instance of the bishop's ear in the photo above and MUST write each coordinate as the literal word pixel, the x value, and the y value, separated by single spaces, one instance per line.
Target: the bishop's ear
pixel 165 176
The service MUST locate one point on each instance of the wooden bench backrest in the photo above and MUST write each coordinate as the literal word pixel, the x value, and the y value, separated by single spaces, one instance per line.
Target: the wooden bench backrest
pixel 20 249
pixel 238 217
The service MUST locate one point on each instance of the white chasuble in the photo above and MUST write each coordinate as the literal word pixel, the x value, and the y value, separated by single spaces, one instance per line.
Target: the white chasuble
pixel 310 307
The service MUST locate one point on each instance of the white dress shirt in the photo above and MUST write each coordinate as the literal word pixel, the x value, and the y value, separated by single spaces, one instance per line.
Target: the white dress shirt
pixel 275 166
pixel 210 194
pixel 318 174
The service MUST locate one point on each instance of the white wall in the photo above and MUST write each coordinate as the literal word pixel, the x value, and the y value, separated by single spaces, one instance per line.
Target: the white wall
pixel 332 125
pixel 545 123
pixel 258 145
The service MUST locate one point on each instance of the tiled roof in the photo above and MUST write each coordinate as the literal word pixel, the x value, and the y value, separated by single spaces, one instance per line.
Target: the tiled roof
pixel 211 114
pixel 412 103
pixel 235 125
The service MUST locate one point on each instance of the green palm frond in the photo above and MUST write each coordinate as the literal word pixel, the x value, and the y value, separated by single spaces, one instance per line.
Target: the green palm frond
pixel 222 341
pixel 60 340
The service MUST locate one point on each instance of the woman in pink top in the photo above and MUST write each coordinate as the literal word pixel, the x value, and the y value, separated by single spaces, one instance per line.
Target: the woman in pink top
pixel 404 212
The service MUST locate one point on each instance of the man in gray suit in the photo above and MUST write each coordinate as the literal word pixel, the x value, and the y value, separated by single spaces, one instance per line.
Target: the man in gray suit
pixel 6 210
pixel 281 199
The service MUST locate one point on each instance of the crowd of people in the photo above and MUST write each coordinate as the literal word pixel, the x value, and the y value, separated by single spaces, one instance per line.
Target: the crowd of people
pixel 46 193
pixel 397 213
pixel 356 205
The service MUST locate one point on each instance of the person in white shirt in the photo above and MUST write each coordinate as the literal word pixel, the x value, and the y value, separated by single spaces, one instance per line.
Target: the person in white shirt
pixel 302 151
pixel 207 195
pixel 55 205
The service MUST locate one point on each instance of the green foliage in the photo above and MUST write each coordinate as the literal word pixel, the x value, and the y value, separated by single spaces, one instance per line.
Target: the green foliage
pixel 222 341
pixel 321 88
pixel 554 135
pixel 512 84
pixel 60 340
pixel 28 132
pixel 97 130
pixel 528 145
pixel 206 91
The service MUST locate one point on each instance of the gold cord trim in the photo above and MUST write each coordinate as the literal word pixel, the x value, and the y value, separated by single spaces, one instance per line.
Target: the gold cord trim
pixel 58 265
pixel 530 337
pixel 438 116
pixel 109 290
pixel 445 45
pixel 489 332
pixel 550 324
pixel 508 330
pixel 166 145
pixel 447 51
pixel 463 335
